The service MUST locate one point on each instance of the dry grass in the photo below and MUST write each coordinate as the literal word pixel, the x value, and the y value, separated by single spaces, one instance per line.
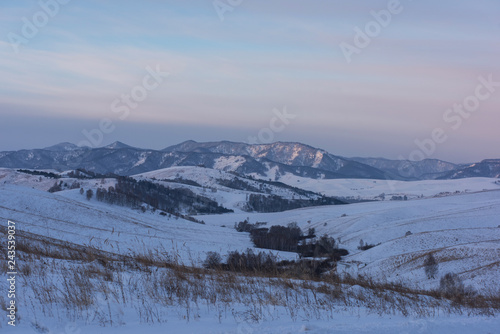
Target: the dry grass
pixel 89 283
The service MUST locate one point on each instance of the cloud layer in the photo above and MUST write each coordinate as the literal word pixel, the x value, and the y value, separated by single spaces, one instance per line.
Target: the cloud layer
pixel 227 76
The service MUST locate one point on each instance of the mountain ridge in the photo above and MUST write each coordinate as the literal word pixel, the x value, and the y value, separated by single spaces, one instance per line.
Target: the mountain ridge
pixel 264 160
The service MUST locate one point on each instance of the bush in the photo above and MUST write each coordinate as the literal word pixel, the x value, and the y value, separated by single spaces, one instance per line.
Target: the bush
pixel 212 261
pixel 365 246
pixel 75 185
pixel 56 187
pixel 451 286
pixel 251 262
pixel 322 247
pixel 244 226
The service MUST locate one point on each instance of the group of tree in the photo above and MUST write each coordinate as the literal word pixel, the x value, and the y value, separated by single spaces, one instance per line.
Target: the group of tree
pixel 284 238
pixel 261 262
pixel 132 193
pixel 39 173
pixel 59 186
pixel 81 173
pixel 238 184
pixel 183 181
pixel 324 246
pixel 291 239
pixel 274 203
pixel 399 198
pixel 248 261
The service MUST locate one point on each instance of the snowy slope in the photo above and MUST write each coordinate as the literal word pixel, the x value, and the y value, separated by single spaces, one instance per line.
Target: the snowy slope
pixel 70 217
pixel 462 230
pixel 213 187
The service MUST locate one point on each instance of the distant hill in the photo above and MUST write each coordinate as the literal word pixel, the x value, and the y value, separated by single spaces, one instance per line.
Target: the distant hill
pixel 404 169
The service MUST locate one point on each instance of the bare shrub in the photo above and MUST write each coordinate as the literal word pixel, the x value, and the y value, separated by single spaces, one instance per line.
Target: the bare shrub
pixel 452 287
pixel 451 284
pixel 212 261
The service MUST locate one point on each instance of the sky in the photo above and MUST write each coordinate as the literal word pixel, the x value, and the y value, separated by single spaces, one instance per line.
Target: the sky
pixel 396 79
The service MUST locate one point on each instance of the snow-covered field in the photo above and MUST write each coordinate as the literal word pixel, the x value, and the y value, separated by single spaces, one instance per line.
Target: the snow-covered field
pixel 458 221
pixel 385 189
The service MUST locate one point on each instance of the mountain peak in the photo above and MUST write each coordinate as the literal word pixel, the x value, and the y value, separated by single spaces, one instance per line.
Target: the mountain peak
pixel 64 146
pixel 117 145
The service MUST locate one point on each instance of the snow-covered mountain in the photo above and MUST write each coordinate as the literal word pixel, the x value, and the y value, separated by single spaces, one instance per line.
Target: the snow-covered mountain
pixel 118 145
pixel 62 147
pixel 485 168
pixel 269 161
pixel 287 154
pixel 265 161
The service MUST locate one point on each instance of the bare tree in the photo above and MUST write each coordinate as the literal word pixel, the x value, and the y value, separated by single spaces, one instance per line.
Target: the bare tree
pixel 430 266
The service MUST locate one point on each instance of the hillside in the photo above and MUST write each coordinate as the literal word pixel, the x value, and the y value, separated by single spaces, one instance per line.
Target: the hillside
pixel 68 216
pixel 141 270
pixel 461 230
pixel 229 189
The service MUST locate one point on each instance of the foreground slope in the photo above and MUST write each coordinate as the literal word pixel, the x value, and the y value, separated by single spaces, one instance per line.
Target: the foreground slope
pixel 82 296
pixel 68 216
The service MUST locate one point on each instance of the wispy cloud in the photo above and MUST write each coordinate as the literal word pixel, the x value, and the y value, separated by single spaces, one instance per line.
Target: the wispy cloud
pixel 231 74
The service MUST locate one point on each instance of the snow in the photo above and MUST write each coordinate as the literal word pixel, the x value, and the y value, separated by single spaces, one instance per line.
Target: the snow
pixel 230 163
pixel 342 322
pixel 462 229
pixel 317 159
pixel 142 158
pixel 295 153
pixel 457 220
pixel 70 217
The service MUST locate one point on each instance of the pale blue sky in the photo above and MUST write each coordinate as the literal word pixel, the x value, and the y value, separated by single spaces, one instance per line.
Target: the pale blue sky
pixel 226 77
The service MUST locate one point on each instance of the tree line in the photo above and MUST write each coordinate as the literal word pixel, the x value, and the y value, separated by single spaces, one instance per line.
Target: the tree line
pixel 132 193
pixel 274 203
pixel 290 238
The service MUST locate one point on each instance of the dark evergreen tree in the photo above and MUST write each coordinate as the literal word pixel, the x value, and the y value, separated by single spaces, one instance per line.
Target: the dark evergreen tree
pixel 90 193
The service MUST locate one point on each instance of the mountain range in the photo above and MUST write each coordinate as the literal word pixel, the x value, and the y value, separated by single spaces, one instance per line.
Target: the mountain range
pixel 269 161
